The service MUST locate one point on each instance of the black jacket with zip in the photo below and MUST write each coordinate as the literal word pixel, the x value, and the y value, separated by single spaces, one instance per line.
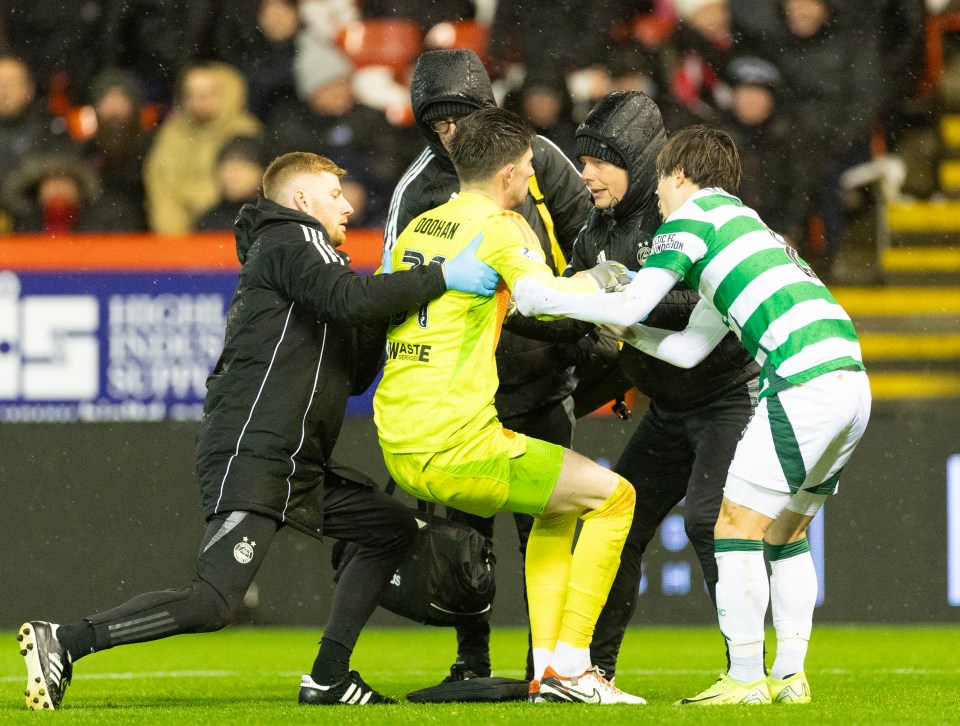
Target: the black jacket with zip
pixel 532 372
pixel 630 124
pixel 303 333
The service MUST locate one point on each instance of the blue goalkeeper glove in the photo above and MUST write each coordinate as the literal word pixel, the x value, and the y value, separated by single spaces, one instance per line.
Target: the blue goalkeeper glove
pixel 465 273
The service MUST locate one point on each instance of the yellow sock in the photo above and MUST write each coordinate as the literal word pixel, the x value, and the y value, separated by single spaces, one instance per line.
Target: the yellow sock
pixel 594 566
pixel 549 554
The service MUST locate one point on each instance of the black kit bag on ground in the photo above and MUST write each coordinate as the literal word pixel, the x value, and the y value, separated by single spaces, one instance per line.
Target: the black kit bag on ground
pixel 447 577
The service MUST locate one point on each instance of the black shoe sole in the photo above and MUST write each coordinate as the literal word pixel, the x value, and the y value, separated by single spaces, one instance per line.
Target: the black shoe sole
pixel 37 693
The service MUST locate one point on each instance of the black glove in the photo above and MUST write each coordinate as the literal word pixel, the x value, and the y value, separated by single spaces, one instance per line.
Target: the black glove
pixel 573 354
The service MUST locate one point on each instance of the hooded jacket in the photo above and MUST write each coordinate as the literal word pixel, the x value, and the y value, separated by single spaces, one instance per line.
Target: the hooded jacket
pixel 295 348
pixel 180 171
pixel 530 371
pixel 629 123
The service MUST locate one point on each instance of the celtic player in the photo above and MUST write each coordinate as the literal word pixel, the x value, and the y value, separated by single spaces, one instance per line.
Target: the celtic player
pixel 438 427
pixel 814 396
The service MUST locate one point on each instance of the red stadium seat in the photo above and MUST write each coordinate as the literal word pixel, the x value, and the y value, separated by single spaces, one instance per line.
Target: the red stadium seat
pixel 391 42
pixel 938 24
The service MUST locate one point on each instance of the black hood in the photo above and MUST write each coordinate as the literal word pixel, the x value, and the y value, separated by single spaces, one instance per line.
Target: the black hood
pixel 254 218
pixel 450 76
pixel 630 123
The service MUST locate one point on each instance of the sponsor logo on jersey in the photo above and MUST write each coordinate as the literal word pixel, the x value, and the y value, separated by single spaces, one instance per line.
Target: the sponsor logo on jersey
pixel 437 227
pixel 243 551
pixel 669 241
pixel 398 350
pixel 532 254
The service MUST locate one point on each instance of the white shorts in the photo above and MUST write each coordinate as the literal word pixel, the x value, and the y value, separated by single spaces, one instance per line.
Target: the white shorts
pixel 797 443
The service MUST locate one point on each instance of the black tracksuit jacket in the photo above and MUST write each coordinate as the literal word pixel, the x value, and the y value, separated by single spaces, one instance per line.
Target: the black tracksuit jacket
pixel 303 333
pixel 630 124
pixel 532 373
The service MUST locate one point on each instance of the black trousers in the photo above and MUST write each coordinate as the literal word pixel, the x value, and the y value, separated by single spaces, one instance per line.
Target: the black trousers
pixel 553 423
pixel 232 550
pixel 671 455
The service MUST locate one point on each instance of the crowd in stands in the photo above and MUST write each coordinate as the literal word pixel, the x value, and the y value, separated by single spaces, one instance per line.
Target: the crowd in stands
pixel 147 115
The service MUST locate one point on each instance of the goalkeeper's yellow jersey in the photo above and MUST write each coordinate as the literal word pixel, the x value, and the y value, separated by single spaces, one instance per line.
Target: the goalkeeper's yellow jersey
pixel 441 376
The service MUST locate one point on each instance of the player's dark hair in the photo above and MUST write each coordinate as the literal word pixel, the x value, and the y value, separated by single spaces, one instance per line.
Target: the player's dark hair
pixel 486 140
pixel 706 156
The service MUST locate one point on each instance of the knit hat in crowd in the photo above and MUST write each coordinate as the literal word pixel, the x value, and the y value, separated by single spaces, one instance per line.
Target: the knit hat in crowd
pixel 316 64
pixel 752 71
pixel 443 109
pixel 111 78
pixel 591 146
pixel 686 8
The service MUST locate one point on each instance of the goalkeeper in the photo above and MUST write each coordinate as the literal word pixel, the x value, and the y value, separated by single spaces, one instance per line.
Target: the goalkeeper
pixel 438 426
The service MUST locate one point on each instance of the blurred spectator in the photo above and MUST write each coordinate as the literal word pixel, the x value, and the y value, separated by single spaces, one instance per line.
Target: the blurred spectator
pixel 55 37
pixel 25 126
pixel 240 168
pixel 327 119
pixel 900 26
pixel 427 14
pixel 157 39
pixel 627 66
pixel 833 97
pixel 59 193
pixel 180 170
pixel 695 57
pixel 258 37
pixel 544 101
pixel 325 19
pixel 118 147
pixel 563 34
pixel 765 141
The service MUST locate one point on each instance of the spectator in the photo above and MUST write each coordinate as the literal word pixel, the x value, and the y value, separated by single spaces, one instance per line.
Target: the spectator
pixel 180 170
pixel 899 26
pixel 426 14
pixel 119 145
pixel 156 40
pixel 258 37
pixel 544 101
pixel 546 33
pixel 240 168
pixel 695 57
pixel 326 118
pixel 833 97
pixel 765 142
pixel 24 126
pixel 55 37
pixel 59 193
pixel 326 19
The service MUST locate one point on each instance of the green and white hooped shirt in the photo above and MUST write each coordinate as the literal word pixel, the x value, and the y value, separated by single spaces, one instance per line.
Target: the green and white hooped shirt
pixel 783 314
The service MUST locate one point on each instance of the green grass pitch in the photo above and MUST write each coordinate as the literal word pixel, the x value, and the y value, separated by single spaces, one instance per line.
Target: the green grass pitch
pixel 858 675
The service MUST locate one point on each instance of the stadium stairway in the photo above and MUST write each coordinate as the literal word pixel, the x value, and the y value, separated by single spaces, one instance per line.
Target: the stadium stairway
pixel 909 325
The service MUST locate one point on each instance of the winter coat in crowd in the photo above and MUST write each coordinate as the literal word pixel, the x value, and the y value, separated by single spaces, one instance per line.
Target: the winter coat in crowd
pixel 180 169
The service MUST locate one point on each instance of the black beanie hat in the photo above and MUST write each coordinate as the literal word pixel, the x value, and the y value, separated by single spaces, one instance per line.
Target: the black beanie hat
pixel 443 109
pixel 591 146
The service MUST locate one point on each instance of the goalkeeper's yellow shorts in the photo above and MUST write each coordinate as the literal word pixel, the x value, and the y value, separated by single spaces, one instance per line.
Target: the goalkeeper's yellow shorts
pixel 494 470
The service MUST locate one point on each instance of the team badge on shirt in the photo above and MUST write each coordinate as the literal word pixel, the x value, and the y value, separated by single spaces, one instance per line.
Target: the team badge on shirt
pixel 243 551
